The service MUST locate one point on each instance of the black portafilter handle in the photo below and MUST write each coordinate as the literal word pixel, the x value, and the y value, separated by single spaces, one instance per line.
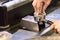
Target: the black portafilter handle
pixel 49 22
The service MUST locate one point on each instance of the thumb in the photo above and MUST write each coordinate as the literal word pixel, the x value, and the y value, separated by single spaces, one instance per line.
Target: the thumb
pixel 52 26
pixel 57 29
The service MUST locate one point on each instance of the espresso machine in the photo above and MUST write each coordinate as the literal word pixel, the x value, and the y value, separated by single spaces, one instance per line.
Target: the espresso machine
pixel 11 12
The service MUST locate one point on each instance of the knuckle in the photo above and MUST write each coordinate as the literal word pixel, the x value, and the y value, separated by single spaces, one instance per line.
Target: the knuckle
pixel 58 30
pixel 33 5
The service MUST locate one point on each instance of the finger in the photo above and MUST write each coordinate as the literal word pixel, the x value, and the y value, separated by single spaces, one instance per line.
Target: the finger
pixel 57 29
pixel 45 7
pixel 34 4
pixel 39 8
pixel 46 4
pixel 52 26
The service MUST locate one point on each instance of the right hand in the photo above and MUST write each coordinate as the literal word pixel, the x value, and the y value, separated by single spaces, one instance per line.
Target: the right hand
pixel 38 5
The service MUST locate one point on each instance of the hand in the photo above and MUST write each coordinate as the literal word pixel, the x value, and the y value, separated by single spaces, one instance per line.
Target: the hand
pixel 38 5
pixel 46 4
pixel 56 25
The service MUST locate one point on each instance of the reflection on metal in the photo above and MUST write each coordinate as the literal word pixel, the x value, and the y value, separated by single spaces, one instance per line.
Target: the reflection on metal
pixel 45 31
pixel 29 23
pixel 15 3
pixel 3 27
pixel 23 35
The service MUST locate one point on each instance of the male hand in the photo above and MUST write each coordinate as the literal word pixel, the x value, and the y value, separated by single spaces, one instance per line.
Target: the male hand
pixel 39 7
pixel 56 25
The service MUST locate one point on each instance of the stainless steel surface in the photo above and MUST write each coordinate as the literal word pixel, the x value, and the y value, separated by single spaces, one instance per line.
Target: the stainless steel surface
pixel 55 15
pixel 29 23
pixel 46 38
pixel 45 31
pixel 23 35
pixel 15 3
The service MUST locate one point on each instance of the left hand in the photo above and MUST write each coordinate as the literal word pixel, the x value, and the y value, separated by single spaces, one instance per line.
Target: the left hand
pixel 56 25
